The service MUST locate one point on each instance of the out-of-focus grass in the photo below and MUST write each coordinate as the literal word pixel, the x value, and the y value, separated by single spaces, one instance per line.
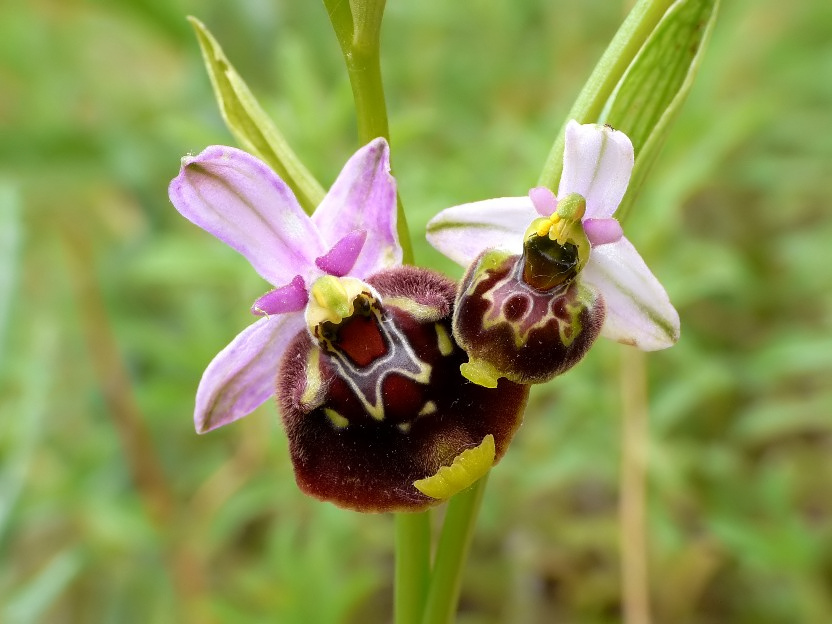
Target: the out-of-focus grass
pixel 98 102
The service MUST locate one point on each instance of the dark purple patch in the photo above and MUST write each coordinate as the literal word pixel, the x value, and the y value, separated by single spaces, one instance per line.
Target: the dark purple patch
pixel 516 307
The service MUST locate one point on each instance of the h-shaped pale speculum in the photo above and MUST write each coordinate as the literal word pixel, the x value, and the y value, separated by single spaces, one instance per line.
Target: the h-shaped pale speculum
pixel 556 247
pixel 346 318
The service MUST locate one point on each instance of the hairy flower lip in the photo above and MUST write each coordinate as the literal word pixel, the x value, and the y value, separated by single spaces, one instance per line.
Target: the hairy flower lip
pixel 370 460
pixel 512 329
pixel 241 201
pixel 598 161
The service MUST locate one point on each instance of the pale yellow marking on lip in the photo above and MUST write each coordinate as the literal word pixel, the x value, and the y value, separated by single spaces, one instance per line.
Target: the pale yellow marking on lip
pixel 446 346
pixel 313 392
pixel 337 420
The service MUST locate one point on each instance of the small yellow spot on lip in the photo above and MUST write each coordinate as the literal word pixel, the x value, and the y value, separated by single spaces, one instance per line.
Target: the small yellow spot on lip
pixel 427 409
pixel 468 467
pixel 446 347
pixel 338 421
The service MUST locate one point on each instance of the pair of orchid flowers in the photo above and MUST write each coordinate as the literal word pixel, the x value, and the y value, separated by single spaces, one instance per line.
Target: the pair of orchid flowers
pixel 398 388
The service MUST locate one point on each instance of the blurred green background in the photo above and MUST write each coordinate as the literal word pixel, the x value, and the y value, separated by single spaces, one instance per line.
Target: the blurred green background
pixel 113 510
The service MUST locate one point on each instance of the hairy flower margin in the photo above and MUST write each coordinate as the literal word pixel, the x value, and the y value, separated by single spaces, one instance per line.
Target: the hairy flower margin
pixel 597 165
pixel 240 200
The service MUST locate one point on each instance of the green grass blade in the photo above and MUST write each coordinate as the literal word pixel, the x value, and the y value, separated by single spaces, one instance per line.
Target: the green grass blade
pixel 250 124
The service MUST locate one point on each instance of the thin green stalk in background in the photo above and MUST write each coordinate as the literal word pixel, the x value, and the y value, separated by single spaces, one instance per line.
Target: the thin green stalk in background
pixel 451 553
pixel 623 48
pixel 357 26
pixel 633 509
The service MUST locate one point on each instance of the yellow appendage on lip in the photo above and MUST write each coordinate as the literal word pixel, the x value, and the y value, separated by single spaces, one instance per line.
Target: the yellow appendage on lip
pixel 468 467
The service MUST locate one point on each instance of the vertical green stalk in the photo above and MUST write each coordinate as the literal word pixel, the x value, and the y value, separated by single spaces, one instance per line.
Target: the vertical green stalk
pixel 412 566
pixel 451 553
pixel 357 26
pixel 623 48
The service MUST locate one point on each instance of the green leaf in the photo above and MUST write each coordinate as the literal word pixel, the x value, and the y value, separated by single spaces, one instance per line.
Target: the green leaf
pixel 250 124
pixel 657 83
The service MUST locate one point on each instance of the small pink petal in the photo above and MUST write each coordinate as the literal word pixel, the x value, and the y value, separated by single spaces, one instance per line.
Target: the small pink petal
pixel 363 197
pixel 289 298
pixel 544 201
pixel 339 260
pixel 602 231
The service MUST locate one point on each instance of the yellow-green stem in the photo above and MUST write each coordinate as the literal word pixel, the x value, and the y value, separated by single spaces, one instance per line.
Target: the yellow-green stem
pixel 412 566
pixel 361 50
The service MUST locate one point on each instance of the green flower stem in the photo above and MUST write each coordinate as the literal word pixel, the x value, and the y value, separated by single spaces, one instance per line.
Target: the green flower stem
pixel 623 48
pixel 412 566
pixel 357 26
pixel 451 554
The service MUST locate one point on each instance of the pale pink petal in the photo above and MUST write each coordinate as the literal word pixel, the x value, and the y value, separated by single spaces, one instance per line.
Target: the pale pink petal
pixel 238 199
pixel 544 201
pixel 340 260
pixel 602 231
pixel 463 232
pixel 292 297
pixel 597 163
pixel 242 376
pixel 639 312
pixel 364 198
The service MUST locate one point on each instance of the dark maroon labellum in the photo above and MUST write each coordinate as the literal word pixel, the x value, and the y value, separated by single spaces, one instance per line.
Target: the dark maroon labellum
pixel 525 317
pixel 378 401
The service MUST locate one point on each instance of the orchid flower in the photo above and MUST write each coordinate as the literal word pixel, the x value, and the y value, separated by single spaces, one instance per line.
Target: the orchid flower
pixel 242 202
pixel 577 268
pixel 357 349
